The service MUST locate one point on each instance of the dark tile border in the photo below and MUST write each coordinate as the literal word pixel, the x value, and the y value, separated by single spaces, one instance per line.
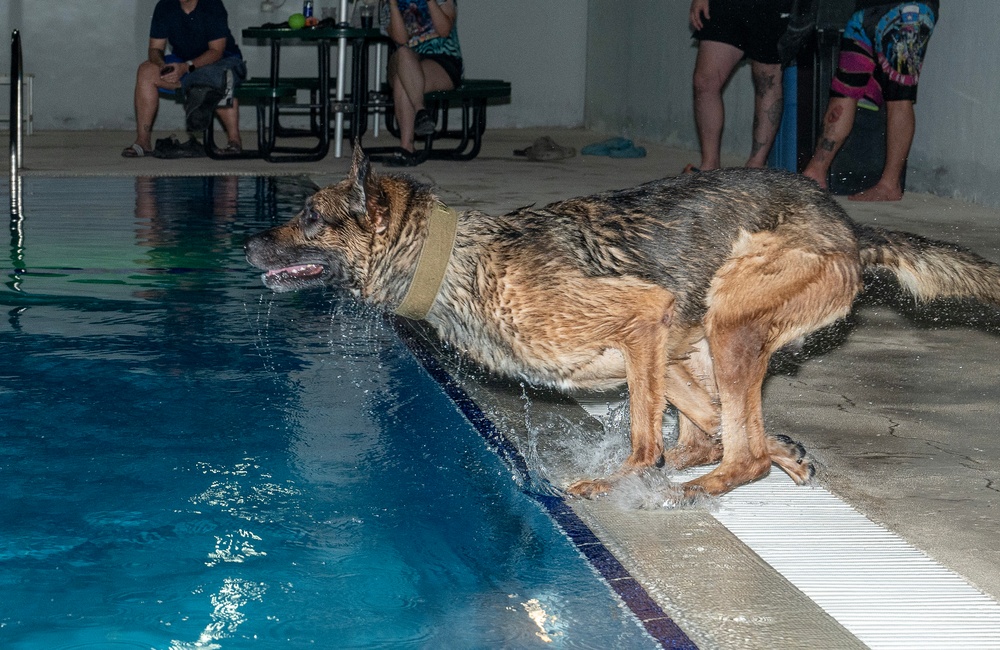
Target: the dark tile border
pixel 656 622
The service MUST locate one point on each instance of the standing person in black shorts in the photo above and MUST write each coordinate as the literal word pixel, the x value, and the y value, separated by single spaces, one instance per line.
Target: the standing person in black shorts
pixel 727 31
pixel 881 53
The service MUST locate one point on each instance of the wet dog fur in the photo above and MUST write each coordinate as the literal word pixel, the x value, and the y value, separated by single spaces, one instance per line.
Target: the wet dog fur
pixel 681 288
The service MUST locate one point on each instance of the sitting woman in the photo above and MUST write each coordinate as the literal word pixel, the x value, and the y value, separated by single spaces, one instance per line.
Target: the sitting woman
pixel 427 58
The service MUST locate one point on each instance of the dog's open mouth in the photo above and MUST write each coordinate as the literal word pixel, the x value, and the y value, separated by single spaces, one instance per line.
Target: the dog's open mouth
pixel 291 278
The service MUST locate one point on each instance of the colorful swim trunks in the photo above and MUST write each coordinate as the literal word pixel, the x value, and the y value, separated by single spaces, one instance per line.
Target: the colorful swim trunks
pixel 882 51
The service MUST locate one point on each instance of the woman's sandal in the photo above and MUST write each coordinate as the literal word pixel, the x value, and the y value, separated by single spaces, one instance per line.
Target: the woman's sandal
pixel 402 158
pixel 135 150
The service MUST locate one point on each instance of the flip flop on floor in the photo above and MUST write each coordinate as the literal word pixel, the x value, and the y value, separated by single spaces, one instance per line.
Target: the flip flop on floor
pixel 605 147
pixel 232 149
pixel 691 169
pixel 631 151
pixel 135 150
pixel 545 149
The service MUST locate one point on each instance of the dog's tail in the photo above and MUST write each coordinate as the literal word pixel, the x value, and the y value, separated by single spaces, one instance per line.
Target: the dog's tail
pixel 929 269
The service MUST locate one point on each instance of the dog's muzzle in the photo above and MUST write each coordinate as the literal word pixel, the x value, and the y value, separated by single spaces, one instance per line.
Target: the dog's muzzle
pixel 278 274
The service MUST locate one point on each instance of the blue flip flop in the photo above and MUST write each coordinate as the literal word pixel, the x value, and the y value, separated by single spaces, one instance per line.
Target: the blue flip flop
pixel 632 151
pixel 605 147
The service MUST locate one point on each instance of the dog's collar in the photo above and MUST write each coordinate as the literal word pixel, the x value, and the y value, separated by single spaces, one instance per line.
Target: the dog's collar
pixel 432 263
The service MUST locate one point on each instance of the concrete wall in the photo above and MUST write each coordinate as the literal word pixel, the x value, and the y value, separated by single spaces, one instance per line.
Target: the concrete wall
pixel 955 150
pixel 640 57
pixel 84 55
pixel 540 47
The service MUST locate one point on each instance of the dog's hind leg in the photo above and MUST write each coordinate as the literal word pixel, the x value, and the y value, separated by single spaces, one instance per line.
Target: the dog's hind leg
pixel 691 389
pixel 694 445
pixel 741 363
pixel 790 456
pixel 768 294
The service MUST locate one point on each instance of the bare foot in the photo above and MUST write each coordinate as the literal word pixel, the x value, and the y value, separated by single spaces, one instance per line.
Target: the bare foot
pixel 819 178
pixel 878 193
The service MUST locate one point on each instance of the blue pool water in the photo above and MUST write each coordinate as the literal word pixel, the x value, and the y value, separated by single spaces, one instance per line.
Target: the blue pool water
pixel 189 461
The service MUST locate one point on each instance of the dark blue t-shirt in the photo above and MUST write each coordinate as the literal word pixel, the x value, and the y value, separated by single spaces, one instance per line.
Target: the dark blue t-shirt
pixel 190 34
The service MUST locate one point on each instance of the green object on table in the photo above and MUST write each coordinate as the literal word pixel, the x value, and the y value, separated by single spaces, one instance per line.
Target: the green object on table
pixel 296 21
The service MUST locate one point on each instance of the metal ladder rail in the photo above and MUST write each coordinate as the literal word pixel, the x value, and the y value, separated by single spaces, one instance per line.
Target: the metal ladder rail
pixel 16 144
pixel 16 104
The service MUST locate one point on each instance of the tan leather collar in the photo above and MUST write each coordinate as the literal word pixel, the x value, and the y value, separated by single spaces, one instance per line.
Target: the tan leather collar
pixel 431 265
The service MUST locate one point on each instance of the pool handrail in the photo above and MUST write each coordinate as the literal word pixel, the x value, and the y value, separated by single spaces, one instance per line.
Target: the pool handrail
pixel 16 137
pixel 16 75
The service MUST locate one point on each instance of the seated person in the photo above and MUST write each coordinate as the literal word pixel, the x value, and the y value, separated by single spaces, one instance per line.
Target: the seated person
pixel 427 58
pixel 202 51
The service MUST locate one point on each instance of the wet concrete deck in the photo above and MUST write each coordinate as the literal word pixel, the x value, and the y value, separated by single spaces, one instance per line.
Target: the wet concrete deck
pixel 900 410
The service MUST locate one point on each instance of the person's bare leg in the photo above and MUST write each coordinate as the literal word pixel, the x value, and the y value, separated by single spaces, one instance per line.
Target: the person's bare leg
pixel 230 118
pixel 147 101
pixel 403 67
pixel 411 78
pixel 713 67
pixel 837 125
pixel 768 97
pixel 901 122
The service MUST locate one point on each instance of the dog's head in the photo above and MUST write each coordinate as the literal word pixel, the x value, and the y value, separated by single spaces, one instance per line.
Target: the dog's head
pixel 331 240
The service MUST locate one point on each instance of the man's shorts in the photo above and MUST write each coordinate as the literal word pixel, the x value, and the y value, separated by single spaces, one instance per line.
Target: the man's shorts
pixel 882 51
pixel 753 26
pixel 210 75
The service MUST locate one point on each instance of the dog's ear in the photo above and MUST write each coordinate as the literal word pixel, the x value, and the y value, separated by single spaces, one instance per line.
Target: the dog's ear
pixel 360 167
pixel 366 201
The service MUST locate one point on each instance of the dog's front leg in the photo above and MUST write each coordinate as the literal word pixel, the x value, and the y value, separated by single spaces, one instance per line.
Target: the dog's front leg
pixel 645 367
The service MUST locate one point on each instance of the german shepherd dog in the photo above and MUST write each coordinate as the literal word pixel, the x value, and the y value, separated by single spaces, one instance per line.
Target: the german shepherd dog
pixel 680 288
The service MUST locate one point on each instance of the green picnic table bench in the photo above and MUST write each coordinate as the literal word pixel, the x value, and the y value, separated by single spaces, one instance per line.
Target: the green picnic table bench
pixel 471 98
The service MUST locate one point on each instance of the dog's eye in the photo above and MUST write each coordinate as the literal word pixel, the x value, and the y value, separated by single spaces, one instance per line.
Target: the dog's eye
pixel 311 222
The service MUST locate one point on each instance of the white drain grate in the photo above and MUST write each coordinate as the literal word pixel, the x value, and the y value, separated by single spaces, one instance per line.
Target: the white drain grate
pixel 886 592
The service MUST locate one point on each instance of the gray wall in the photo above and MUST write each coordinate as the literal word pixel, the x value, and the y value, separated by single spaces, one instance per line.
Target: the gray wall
pixel 640 56
pixel 615 67
pixel 955 151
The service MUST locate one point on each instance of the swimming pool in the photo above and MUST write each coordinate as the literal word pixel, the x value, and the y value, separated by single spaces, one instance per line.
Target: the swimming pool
pixel 190 461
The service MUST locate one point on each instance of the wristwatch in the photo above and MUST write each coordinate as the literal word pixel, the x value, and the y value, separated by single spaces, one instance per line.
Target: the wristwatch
pixel 190 65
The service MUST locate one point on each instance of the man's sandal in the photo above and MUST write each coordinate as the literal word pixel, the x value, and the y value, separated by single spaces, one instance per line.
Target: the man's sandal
pixel 135 150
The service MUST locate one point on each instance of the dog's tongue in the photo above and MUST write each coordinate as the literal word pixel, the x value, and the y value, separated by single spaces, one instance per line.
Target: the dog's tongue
pixel 298 271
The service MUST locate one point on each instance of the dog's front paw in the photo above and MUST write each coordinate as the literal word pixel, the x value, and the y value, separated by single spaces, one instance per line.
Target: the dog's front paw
pixel 590 489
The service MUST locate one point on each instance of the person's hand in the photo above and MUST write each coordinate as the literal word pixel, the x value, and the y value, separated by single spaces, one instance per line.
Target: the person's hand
pixel 171 73
pixel 698 13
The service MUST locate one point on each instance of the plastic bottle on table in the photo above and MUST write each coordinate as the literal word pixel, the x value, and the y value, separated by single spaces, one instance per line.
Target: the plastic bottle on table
pixel 307 11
